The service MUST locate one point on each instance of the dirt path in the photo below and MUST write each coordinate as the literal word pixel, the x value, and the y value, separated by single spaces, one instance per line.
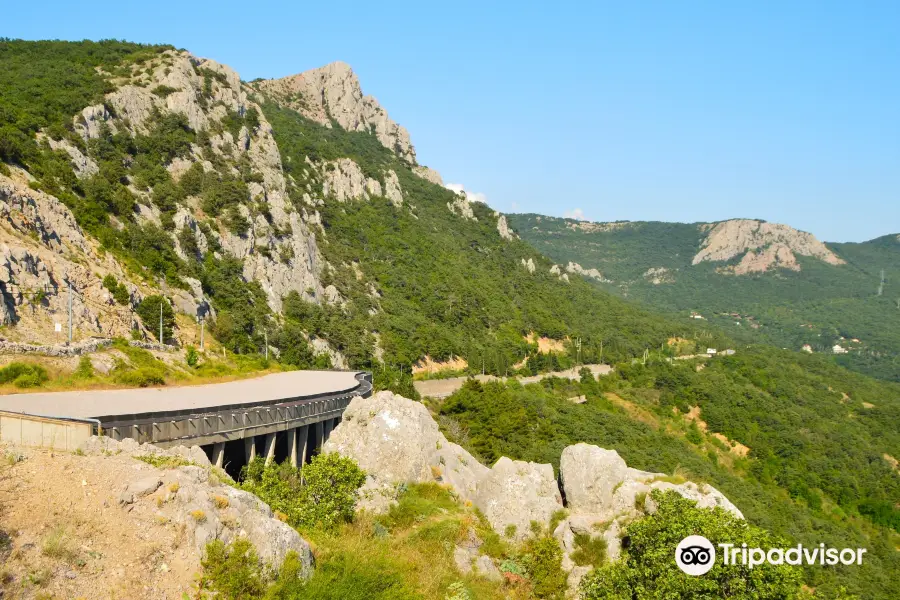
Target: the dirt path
pixel 441 388
pixel 64 535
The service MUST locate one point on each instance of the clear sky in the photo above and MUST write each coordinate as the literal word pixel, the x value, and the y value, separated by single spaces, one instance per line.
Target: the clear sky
pixel 672 111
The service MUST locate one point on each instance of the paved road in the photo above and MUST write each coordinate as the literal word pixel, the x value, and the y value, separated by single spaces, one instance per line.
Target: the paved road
pixel 441 388
pixel 276 387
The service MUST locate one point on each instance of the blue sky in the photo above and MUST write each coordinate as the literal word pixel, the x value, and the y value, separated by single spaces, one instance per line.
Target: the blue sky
pixel 671 111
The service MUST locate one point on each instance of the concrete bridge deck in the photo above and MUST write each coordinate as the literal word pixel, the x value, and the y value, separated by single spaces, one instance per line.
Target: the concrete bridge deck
pixel 106 405
pixel 290 413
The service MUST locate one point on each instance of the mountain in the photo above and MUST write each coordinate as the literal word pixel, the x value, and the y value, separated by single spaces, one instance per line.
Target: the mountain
pixel 293 216
pixel 294 207
pixel 759 281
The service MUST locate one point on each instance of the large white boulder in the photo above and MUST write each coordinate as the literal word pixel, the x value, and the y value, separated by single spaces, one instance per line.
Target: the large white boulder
pixel 515 493
pixel 395 440
pixel 589 476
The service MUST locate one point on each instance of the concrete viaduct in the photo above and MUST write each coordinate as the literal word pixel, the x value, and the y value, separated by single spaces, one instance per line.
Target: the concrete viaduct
pixel 281 416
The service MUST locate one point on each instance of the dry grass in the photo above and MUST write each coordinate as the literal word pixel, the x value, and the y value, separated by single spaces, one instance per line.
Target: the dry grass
pixel 59 546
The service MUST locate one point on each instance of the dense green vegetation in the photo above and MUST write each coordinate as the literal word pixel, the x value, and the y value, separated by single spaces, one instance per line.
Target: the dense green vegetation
pixel 445 285
pixel 324 496
pixel 44 84
pixel 822 305
pixel 815 472
pixel 643 572
pixel 404 554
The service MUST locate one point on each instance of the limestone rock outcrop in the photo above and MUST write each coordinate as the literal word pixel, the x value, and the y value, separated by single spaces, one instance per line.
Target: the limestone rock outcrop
pixel 334 92
pixel 514 493
pixel 589 476
pixel 577 269
pixel 194 497
pixel 764 246
pixel 529 265
pixel 503 228
pixel 428 174
pixel 461 206
pixel 41 248
pixel 395 441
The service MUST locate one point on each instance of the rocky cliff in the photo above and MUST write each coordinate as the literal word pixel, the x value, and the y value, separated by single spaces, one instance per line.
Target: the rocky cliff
pixel 333 92
pixel 762 246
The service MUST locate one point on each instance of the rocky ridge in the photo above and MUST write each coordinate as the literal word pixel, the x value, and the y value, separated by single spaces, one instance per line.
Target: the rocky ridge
pixel 334 92
pixel 763 246
pixel 396 441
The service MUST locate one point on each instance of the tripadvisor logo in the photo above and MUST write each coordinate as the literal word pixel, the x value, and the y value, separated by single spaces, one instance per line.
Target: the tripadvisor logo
pixel 696 555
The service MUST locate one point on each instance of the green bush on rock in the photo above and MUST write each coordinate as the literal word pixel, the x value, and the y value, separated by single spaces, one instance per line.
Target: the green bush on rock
pixel 648 569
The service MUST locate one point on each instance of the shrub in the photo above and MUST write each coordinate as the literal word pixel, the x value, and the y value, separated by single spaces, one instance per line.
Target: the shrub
pixel 589 550
pixel 163 91
pixel 322 495
pixel 641 572
pixel 28 380
pixel 23 375
pixel 141 377
pixel 191 357
pixel 543 563
pixel 85 369
pixel 232 571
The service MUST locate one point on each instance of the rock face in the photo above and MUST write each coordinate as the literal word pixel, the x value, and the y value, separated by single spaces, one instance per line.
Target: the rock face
pixel 344 180
pixel 764 246
pixel 503 228
pixel 515 493
pixel 429 175
pixel 41 248
pixel 208 510
pixel 395 440
pixel 333 92
pixel 574 267
pixel 589 476
pixel 460 206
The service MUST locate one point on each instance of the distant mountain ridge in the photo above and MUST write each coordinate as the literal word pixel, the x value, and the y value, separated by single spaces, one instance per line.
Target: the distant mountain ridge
pixel 796 290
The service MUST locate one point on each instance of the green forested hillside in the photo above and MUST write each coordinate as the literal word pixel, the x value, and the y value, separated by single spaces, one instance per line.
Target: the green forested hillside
pixel 447 285
pixel 816 470
pixel 819 305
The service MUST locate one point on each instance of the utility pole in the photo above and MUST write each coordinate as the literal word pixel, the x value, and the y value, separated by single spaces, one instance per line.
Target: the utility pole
pixel 161 341
pixel 202 323
pixel 266 338
pixel 69 282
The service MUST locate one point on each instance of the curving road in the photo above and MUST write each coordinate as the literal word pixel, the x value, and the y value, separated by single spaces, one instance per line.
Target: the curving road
pixel 241 394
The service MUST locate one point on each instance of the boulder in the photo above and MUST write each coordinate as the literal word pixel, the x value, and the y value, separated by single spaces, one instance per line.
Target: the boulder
pixel 139 489
pixel 589 477
pixel 395 441
pixel 515 493
pixel 486 568
pixel 703 494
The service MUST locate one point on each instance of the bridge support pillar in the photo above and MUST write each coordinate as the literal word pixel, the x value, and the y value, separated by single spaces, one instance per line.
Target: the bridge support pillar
pixel 270 449
pixel 250 448
pixel 299 438
pixel 219 454
pixel 328 425
pixel 320 436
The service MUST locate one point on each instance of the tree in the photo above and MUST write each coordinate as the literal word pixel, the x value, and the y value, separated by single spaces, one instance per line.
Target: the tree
pixel 149 312
pixel 648 569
